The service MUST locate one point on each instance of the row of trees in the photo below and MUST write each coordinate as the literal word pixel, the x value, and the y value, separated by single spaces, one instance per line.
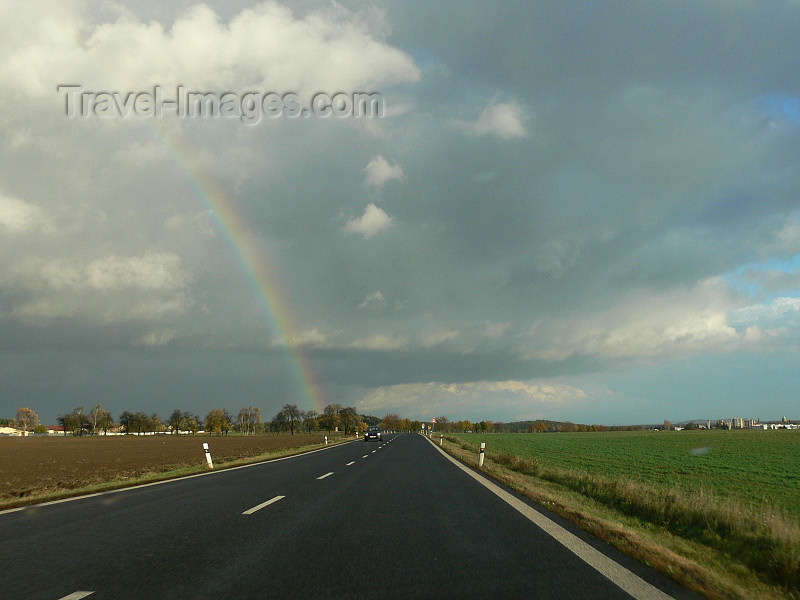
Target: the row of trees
pixel 80 422
pixel 290 418
pixel 393 422
pixel 248 421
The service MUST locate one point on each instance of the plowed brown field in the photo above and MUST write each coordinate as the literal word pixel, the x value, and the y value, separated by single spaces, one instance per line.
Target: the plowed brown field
pixel 41 465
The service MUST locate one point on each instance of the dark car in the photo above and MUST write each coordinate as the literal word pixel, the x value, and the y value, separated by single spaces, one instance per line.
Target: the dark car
pixel 372 433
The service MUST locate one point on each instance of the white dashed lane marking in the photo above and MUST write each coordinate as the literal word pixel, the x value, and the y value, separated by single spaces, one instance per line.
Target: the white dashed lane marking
pixel 250 511
pixel 326 475
pixel 77 595
pixel 352 462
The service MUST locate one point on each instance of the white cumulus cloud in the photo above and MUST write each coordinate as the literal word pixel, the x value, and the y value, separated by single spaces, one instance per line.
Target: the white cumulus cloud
pixel 518 399
pixel 264 46
pixel 106 289
pixel 18 215
pixel 375 300
pixel 505 120
pixel 372 222
pixel 647 323
pixel 379 171
pixel 441 337
pixel 379 342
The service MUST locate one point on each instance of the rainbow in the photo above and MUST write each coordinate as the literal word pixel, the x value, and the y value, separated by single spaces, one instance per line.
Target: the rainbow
pixel 237 235
pixel 261 275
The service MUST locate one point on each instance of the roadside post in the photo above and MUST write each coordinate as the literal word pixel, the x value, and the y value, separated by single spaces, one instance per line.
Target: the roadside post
pixel 483 451
pixel 326 440
pixel 208 456
pixel 441 439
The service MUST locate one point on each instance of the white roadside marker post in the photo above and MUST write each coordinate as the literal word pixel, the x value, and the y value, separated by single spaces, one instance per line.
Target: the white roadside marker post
pixel 483 451
pixel 326 440
pixel 208 456
pixel 441 439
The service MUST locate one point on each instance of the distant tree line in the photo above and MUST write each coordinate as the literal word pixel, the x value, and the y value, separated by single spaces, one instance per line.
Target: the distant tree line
pixel 248 421
pixel 290 418
pixel 445 425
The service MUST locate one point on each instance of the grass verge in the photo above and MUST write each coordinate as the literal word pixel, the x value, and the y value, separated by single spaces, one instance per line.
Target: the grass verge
pixel 717 549
pixel 33 497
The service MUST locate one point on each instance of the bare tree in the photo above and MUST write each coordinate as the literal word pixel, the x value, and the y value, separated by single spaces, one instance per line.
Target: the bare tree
pixel 100 418
pixel 249 420
pixel 27 420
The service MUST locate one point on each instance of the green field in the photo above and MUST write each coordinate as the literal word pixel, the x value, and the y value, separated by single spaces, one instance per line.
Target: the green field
pixel 756 467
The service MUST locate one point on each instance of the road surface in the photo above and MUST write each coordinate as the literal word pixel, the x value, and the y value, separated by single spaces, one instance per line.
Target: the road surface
pixel 395 519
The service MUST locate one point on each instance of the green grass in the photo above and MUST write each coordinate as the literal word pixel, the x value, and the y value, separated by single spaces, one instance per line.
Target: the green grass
pixel 756 468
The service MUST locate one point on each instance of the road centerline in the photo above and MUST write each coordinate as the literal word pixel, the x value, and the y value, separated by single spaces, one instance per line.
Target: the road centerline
pixel 258 507
pixel 352 462
pixel 326 475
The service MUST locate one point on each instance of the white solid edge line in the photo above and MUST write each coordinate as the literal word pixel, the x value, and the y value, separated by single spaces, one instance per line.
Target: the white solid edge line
pixel 152 483
pixel 326 475
pixel 77 595
pixel 619 575
pixel 250 511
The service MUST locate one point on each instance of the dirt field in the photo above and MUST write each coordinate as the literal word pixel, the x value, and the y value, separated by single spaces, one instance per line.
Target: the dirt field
pixel 37 465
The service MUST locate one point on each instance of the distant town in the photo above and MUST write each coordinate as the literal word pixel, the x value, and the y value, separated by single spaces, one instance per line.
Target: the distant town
pixel 735 423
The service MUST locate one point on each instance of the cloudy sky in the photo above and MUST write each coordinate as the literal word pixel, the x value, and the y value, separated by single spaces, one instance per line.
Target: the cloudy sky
pixel 574 211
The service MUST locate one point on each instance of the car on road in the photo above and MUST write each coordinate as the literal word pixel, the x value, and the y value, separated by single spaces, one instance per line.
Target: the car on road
pixel 372 433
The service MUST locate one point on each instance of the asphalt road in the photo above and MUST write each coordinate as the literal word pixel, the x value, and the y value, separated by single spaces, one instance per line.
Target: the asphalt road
pixel 363 520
